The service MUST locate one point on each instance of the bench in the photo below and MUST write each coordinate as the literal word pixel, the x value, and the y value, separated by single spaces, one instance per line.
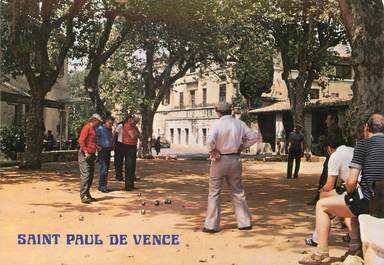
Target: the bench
pixel 372 237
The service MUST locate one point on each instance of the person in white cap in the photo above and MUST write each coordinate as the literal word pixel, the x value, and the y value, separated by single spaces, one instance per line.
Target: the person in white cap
pixel 227 138
pixel 87 156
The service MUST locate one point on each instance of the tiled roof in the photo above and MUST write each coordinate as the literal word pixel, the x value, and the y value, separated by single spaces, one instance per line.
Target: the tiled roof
pixel 329 102
pixel 284 105
pixel 7 87
pixel 277 106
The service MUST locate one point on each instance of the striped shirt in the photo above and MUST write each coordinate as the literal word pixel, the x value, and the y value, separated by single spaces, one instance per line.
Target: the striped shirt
pixel 369 157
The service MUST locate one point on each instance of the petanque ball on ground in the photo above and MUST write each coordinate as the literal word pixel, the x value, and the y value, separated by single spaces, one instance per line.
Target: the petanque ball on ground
pixel 143 203
pixel 142 211
pixel 157 203
pixel 81 218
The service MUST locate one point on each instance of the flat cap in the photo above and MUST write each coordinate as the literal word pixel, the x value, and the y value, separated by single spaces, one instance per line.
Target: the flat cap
pixel 222 107
pixel 96 116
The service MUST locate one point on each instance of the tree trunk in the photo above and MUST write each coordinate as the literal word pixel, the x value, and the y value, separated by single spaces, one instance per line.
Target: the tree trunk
pixel 299 104
pixel 34 131
pixel 91 85
pixel 364 20
pixel 147 116
pixel 296 95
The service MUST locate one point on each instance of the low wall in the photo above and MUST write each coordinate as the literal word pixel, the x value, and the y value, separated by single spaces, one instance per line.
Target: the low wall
pixel 55 156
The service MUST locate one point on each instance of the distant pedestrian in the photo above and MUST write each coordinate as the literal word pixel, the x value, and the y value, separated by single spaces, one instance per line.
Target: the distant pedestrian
pixel 49 141
pixel 281 138
pixel 157 145
pixel 87 156
pixel 105 141
pixel 295 148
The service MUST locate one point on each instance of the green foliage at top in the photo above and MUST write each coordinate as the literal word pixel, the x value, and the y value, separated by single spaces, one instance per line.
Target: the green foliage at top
pixel 35 38
pixel 305 32
pixel 249 48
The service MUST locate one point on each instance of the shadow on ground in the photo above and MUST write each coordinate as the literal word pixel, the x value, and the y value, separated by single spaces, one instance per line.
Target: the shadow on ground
pixel 278 205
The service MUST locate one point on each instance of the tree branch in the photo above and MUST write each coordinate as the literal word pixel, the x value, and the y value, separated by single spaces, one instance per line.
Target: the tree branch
pixel 116 44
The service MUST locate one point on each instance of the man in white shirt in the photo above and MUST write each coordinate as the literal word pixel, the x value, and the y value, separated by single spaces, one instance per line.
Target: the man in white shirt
pixel 119 157
pixel 227 138
pixel 338 166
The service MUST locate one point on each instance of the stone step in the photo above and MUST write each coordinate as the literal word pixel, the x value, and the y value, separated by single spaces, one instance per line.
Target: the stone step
pixel 372 237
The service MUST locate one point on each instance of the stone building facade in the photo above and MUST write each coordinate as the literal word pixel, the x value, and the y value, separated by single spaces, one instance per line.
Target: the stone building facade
pixel 186 114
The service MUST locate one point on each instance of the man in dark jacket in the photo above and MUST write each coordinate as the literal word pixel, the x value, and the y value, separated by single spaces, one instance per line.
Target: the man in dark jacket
pixel 295 151
pixel 333 132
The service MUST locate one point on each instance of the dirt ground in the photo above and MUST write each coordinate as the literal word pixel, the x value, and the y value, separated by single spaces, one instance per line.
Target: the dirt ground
pixel 47 201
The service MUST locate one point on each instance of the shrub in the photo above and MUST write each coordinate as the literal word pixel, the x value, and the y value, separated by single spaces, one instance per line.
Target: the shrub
pixel 12 141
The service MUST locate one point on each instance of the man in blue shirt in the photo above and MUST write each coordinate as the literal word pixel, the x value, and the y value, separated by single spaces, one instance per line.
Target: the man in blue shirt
pixel 104 141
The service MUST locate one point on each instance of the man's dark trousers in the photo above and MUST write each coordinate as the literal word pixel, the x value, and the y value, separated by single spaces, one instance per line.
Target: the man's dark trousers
pixel 104 161
pixel 323 178
pixel 294 155
pixel 129 152
pixel 119 158
pixel 87 169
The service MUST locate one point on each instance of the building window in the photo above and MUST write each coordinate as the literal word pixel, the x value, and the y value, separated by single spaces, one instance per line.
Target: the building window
pixel 204 136
pixel 172 132
pixel 193 98
pixel 178 135
pixel 186 136
pixel 204 96
pixel 343 71
pixel 335 95
pixel 197 136
pixel 222 93
pixel 314 93
pixel 167 98
pixel 181 100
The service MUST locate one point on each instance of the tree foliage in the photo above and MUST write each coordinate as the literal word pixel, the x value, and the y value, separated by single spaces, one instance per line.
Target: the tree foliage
pixel 36 37
pixel 249 47
pixel 173 37
pixel 304 31
pixel 102 30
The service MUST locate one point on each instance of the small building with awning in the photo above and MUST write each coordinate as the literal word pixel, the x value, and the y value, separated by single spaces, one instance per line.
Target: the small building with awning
pixel 14 105
pixel 274 118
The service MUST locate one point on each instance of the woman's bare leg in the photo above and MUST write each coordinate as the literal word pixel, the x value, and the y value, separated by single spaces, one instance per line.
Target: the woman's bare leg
pixel 334 205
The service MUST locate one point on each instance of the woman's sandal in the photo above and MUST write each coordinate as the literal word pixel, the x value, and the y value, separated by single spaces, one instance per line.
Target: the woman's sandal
pixel 310 242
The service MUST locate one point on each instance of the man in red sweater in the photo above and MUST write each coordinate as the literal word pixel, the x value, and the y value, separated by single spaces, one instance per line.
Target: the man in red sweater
pixel 87 156
pixel 130 137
